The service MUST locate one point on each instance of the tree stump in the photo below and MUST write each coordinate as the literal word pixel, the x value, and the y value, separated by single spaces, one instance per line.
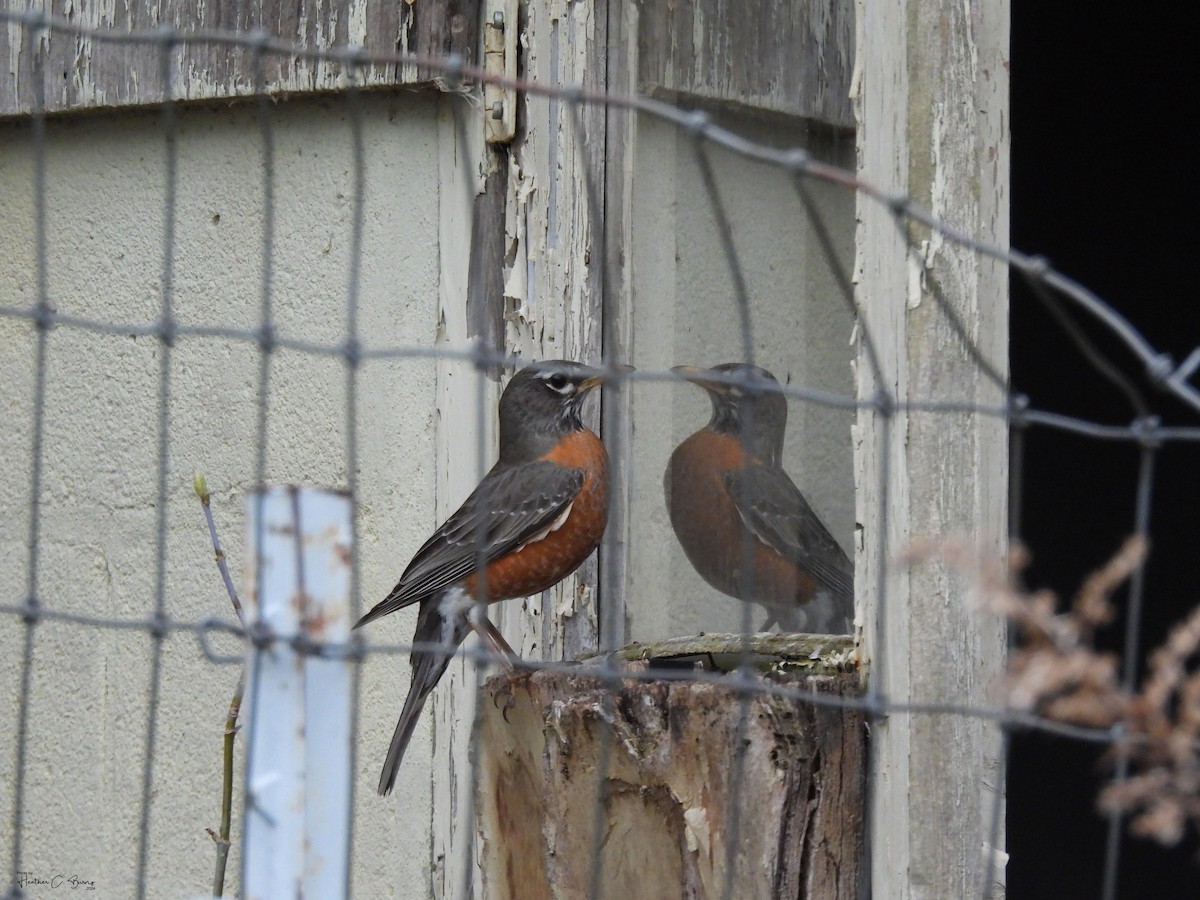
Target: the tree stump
pixel 660 756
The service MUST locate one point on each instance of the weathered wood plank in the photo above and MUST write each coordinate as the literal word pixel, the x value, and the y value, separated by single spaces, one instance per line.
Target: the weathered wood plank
pixel 80 71
pixel 666 791
pixel 485 281
pixel 817 654
pixel 932 125
pixel 802 54
pixel 553 288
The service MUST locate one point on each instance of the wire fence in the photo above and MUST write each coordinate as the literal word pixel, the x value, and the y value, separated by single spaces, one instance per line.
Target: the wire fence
pixel 1069 301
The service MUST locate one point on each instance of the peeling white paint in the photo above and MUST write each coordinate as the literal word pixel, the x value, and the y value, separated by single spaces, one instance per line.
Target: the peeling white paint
pixel 105 73
pixel 695 819
pixel 356 22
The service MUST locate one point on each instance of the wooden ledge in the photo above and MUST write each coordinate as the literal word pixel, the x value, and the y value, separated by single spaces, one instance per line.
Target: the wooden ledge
pixel 823 654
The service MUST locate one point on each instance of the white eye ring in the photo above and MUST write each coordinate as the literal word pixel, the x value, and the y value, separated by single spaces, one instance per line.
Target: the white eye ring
pixel 559 382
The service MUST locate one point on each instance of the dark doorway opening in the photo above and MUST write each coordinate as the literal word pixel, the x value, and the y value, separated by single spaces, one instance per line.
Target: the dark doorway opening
pixel 1104 184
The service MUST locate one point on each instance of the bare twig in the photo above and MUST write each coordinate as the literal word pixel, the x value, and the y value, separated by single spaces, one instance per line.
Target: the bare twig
pixel 221 838
pixel 200 486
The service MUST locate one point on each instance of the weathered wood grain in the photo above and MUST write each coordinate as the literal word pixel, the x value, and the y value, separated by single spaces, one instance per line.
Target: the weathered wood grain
pixel 932 125
pixel 793 58
pixel 537 240
pixel 667 790
pixel 82 72
pixel 816 654
pixel 485 280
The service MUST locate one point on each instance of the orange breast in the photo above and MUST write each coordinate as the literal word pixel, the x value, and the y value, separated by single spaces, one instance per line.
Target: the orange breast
pixel 717 543
pixel 543 563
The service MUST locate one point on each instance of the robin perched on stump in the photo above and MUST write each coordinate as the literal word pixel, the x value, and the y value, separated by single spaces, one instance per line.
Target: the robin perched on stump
pixel 533 519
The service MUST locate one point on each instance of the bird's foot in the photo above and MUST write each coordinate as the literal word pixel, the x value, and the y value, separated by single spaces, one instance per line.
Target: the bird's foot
pixel 508 692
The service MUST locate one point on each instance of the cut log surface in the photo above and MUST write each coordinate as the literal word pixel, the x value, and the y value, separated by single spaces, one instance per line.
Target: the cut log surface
pixel 661 758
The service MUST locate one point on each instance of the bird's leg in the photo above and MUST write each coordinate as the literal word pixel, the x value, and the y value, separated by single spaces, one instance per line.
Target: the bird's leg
pixel 507 658
pixel 789 619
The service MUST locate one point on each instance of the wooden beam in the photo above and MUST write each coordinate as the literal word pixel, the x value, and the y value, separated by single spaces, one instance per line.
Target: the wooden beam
pixel 81 72
pixel 792 58
pixel 552 290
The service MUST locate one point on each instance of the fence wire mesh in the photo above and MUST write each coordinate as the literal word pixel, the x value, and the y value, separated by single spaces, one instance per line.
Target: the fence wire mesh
pixel 1068 301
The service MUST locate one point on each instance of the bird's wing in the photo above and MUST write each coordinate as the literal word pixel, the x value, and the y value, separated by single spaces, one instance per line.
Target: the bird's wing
pixel 775 511
pixel 509 507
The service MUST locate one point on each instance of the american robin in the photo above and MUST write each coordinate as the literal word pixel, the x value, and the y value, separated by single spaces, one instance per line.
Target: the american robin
pixel 535 517
pixel 742 522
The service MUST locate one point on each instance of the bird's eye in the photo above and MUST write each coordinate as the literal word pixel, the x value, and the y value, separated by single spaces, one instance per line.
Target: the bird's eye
pixel 559 382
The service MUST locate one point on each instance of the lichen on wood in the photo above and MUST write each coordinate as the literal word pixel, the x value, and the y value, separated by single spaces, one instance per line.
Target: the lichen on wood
pixel 814 653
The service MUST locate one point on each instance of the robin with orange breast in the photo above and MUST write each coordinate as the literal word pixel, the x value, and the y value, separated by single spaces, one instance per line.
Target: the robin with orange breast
pixel 533 519
pixel 742 522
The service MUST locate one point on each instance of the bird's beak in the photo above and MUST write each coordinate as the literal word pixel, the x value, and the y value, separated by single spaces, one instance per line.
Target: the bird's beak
pixel 602 376
pixel 702 377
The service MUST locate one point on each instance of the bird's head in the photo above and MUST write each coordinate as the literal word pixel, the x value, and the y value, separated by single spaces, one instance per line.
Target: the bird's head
pixel 542 402
pixel 746 402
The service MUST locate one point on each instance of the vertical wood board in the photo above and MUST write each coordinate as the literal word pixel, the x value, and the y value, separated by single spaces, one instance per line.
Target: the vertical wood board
pixel 932 124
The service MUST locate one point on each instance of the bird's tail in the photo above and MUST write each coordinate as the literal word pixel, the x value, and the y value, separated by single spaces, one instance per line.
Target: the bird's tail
pixel 427 668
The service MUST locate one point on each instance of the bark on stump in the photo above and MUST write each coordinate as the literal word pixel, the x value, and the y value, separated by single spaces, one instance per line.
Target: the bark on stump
pixel 660 756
